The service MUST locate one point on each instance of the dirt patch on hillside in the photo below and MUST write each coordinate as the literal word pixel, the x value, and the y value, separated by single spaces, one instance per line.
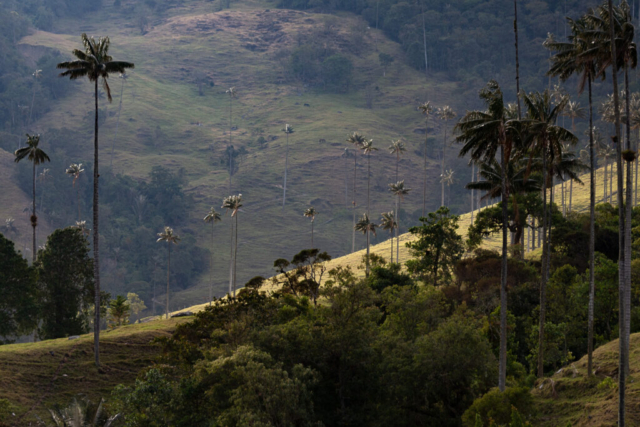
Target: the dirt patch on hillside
pixel 258 31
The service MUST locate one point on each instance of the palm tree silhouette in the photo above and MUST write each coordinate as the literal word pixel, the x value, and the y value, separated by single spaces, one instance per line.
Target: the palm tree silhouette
pixel 445 114
pixel 368 148
pixel 233 205
pixel 36 156
pixel 96 64
pixel 426 110
pixel 357 140
pixel 397 148
pixel 288 130
pixel 365 227
pixel 399 190
pixel 74 170
pixel 448 179
pixel 170 237
pixel 211 218
pixel 311 213
pixel 388 222
pixel 483 133
pixel 547 142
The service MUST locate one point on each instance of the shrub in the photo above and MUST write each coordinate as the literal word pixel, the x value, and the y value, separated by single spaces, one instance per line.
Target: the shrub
pixel 499 406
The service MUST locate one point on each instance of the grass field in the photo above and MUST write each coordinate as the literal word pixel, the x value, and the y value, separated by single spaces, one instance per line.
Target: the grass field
pixel 36 376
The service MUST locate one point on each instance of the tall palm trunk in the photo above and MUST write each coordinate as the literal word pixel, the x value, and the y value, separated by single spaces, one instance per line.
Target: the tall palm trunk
pixel 592 239
pixel 424 40
pixel 367 264
pixel 424 171
pixel 312 235
pixel 391 245
pixel 34 218
pixel 168 276
pixel 502 366
pixel 211 270
pixel 368 180
pixel 286 166
pixel 230 141
pixel 355 165
pixel 545 266
pixel 96 234
pixel 113 145
pixel 472 191
pixel 231 258
pixel 346 182
pixel 235 259
pixel 78 199
pixel 397 229
pixel 627 224
pixel 515 31
pixel 444 147
pixel 621 230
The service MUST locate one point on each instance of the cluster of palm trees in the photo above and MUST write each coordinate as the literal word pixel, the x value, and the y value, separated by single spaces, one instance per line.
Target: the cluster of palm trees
pixel 389 220
pixel 600 40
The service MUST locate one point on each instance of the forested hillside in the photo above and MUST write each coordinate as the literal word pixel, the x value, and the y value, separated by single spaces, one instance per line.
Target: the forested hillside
pixel 174 144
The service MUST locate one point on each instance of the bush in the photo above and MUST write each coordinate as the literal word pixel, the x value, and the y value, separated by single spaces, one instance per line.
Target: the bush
pixel 499 406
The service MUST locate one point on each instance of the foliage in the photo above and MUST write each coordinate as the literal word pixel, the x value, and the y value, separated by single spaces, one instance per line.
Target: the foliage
pixel 19 304
pixel 82 413
pixel 499 407
pixel 65 280
pixel 305 276
pixel 118 313
pixel 438 248
pixel 136 305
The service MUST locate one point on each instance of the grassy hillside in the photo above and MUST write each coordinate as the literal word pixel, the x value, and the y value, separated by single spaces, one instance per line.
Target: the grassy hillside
pixel 165 122
pixel 35 376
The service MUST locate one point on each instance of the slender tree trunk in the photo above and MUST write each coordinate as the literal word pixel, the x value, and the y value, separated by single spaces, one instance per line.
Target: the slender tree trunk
pixel 391 245
pixel 78 199
pixel 286 166
pixel 355 166
pixel 230 140
pixel 211 271
pixel 113 145
pixel 564 211
pixel 235 259
pixel 96 235
pixel 346 182
pixel 231 258
pixel 444 147
pixel 368 180
pixel 34 218
pixel 367 271
pixel 312 234
pixel 605 197
pixel 472 191
pixel 545 266
pixel 502 366
pixel 424 41
pixel 33 98
pixel 424 171
pixel 168 276
pixel 515 31
pixel 592 239
pixel 397 229
pixel 627 230
pixel 621 229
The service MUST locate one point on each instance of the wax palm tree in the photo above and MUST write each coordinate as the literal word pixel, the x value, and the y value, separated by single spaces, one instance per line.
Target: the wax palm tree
pixel 211 218
pixel 233 204
pixel 365 226
pixel 74 171
pixel 574 111
pixel 95 63
pixel 388 223
pixel 546 140
pixel 368 148
pixel 170 237
pixel 427 110
pixel 231 92
pixel 445 114
pixel 36 76
pixel 483 134
pixel 311 213
pixel 399 190
pixel 397 148
pixel 288 130
pixel 518 182
pixel 448 179
pixel 345 155
pixel 36 156
pixel 357 140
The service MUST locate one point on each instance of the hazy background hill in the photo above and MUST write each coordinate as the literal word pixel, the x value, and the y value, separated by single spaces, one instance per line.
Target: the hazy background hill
pixel 321 66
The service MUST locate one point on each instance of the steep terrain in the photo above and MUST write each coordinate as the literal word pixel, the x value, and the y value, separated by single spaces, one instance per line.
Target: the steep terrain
pixel 164 121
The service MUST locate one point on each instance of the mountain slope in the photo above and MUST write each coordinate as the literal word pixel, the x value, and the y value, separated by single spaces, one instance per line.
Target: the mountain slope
pixel 165 122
